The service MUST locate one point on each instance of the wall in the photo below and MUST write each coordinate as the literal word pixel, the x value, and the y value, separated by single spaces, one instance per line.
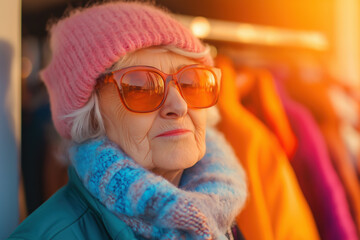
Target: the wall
pixel 346 62
pixel 10 81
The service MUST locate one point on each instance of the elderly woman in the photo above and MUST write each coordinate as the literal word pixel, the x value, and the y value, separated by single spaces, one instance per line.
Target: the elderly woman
pixel 131 89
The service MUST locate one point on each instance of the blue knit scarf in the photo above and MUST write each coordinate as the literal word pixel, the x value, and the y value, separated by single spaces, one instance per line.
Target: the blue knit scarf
pixel 210 194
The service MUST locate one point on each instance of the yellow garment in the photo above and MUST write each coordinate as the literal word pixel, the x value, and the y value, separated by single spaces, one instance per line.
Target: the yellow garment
pixel 276 208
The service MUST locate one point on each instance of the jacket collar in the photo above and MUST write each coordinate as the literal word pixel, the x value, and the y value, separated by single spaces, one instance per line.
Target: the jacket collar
pixel 115 227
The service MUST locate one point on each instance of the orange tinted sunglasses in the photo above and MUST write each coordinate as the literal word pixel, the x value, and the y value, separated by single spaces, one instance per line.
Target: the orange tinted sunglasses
pixel 144 89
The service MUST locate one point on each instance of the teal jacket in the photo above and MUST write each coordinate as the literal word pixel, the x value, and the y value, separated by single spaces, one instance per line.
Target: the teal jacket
pixel 72 213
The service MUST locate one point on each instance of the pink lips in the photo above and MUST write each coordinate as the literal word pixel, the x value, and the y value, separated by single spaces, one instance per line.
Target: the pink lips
pixel 173 133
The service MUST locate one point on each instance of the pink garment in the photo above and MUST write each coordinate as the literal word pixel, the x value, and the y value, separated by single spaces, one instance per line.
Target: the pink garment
pixel 316 175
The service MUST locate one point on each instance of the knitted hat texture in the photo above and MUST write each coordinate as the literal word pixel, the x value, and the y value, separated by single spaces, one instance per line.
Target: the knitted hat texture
pixel 91 40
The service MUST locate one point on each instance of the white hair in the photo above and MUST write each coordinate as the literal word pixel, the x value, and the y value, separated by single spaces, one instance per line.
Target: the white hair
pixel 87 122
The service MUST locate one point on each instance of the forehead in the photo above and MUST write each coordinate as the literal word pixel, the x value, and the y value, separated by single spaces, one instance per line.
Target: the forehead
pixel 162 59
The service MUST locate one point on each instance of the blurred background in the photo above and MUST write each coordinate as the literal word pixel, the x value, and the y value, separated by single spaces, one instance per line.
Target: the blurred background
pixel 317 41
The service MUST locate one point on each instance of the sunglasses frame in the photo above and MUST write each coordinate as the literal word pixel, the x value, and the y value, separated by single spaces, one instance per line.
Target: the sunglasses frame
pixel 117 76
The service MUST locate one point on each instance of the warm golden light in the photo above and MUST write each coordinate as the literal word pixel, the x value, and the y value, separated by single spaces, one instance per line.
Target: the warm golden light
pixel 200 27
pixel 272 36
pixel 253 34
pixel 246 33
pixel 317 41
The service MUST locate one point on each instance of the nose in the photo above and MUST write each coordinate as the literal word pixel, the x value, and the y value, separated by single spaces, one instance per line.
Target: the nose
pixel 174 105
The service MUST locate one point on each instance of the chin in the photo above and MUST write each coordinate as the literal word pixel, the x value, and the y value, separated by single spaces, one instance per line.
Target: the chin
pixel 176 160
pixel 177 155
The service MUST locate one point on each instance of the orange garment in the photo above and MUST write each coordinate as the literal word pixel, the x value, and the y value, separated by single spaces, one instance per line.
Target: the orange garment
pixel 358 165
pixel 314 96
pixel 276 208
pixel 258 94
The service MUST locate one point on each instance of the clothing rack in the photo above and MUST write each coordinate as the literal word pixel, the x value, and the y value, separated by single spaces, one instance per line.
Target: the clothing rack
pixel 228 31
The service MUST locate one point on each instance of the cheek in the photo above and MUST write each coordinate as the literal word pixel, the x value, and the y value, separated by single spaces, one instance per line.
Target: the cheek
pixel 198 118
pixel 113 116
pixel 132 137
pixel 128 130
pixel 135 130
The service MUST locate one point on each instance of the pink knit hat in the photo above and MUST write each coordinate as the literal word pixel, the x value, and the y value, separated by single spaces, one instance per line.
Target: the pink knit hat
pixel 91 40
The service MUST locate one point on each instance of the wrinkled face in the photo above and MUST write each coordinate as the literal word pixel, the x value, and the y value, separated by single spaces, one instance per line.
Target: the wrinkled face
pixel 170 139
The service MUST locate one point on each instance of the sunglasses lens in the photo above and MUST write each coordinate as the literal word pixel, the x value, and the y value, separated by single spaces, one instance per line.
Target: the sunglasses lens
pixel 143 91
pixel 199 87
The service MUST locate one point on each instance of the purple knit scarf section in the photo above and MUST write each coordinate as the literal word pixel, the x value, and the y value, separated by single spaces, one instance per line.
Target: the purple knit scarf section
pixel 210 194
